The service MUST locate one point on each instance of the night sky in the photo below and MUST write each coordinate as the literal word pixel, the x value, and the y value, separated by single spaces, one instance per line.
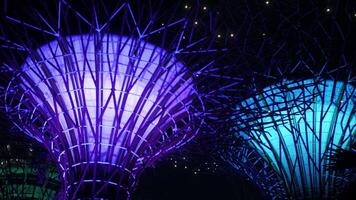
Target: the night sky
pixel 266 39
pixel 165 182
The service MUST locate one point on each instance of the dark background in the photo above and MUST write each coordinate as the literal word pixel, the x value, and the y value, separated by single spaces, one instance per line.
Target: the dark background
pixel 267 38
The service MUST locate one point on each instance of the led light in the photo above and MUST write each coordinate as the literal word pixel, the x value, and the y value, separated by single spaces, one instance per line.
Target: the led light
pixel 130 105
pixel 302 123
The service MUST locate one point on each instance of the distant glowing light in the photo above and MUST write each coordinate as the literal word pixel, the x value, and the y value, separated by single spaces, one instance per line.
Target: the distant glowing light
pixel 27 177
pixel 328 10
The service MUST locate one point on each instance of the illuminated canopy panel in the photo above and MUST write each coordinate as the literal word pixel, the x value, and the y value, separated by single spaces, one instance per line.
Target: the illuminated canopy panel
pixel 109 104
pixel 294 125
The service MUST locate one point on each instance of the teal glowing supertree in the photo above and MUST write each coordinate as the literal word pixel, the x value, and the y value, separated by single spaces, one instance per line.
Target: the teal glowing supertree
pixel 294 125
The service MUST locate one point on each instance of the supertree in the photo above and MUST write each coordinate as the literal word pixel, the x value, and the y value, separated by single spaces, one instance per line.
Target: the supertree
pixel 294 125
pixel 109 87
pixel 26 169
pixel 299 100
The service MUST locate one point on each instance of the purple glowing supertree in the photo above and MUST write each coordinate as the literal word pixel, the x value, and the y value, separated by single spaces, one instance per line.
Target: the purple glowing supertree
pixel 112 112
pixel 110 87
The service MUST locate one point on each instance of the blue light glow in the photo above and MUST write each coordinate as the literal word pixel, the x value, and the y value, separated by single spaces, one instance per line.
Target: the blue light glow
pixel 295 124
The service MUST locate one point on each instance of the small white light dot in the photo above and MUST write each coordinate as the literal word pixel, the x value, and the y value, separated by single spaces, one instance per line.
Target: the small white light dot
pixel 219 36
pixel 185 167
pixel 30 149
pixel 162 24
pixel 183 37
pixel 195 172
pixel 267 2
pixel 175 165
pixel 231 35
pixel 264 34
pixel 186 6
pixel 328 10
pixel 204 8
pixel 196 22
pixel 355 15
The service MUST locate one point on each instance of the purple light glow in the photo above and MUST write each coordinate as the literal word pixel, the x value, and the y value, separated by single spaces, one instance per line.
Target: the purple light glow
pixel 112 101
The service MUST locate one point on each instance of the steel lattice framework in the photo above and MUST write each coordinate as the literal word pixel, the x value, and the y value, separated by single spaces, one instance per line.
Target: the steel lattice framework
pixel 294 125
pixel 299 69
pixel 113 108
pixel 247 161
pixel 109 97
